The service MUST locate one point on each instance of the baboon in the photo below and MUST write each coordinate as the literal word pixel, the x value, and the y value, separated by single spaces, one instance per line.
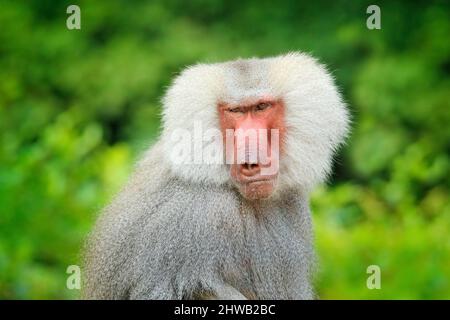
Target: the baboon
pixel 185 227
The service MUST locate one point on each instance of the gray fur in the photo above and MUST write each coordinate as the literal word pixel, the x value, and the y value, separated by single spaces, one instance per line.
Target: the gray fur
pixel 163 238
pixel 184 232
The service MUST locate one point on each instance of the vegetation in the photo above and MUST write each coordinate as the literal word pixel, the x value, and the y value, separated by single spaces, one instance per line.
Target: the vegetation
pixel 77 107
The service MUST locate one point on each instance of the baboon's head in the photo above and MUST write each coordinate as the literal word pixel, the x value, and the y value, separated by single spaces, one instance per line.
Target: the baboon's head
pixel 260 125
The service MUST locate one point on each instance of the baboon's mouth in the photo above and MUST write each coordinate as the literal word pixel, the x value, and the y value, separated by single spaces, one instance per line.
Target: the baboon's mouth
pixel 254 189
pixel 258 181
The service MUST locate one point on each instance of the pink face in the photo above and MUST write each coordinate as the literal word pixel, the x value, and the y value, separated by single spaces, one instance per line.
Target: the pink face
pixel 258 128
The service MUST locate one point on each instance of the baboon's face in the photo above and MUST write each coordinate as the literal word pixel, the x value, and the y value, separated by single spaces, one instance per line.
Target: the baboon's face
pixel 252 133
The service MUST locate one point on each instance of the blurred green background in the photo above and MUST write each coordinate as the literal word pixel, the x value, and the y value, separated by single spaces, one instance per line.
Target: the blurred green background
pixel 78 107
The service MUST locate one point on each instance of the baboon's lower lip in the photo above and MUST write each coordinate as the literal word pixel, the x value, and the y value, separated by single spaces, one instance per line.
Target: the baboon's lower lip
pixel 256 181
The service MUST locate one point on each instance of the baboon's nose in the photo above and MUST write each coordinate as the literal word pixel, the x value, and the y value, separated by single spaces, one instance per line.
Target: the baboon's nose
pixel 249 169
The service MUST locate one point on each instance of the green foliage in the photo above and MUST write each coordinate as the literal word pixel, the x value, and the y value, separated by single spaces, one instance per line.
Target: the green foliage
pixel 77 107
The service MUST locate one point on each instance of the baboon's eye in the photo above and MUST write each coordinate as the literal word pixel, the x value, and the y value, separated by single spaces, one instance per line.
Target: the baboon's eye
pixel 262 106
pixel 235 110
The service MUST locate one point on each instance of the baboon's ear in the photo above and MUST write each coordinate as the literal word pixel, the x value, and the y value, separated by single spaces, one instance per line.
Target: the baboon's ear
pixel 317 119
pixel 191 103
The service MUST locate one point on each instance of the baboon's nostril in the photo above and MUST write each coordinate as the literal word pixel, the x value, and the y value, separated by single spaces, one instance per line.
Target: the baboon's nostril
pixel 250 169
